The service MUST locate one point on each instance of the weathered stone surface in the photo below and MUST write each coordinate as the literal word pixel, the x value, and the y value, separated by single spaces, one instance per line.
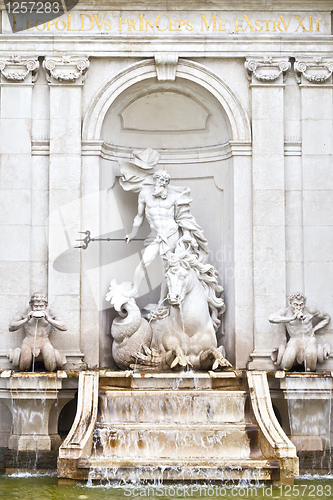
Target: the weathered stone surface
pixel 31 460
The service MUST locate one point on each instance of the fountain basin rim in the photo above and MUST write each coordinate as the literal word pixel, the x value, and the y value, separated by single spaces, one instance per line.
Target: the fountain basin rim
pixel 169 375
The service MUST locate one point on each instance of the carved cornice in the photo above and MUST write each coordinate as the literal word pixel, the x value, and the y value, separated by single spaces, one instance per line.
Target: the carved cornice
pixel 184 156
pixel 16 68
pixel 315 71
pixel 166 66
pixel 66 69
pixel 266 70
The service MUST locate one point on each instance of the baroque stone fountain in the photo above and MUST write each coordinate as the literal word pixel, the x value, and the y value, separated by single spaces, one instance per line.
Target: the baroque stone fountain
pixel 175 409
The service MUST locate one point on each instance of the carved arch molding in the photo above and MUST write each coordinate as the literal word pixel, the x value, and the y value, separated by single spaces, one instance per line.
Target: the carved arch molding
pixel 185 69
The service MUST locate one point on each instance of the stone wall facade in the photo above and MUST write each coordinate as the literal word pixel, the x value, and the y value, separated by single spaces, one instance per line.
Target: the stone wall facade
pixel 237 100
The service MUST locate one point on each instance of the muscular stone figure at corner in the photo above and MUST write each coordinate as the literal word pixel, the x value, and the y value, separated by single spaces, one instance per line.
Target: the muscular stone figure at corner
pixel 37 323
pixel 302 347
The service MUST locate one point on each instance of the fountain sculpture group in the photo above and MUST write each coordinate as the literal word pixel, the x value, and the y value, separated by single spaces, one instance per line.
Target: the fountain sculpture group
pixel 157 418
pixel 185 334
pixel 158 351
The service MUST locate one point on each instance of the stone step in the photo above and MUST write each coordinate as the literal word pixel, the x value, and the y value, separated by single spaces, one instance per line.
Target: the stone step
pixel 174 440
pixel 177 381
pixel 176 451
pixel 172 406
pixel 171 469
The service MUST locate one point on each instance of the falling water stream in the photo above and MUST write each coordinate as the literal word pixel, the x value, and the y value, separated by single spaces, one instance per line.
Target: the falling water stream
pixel 309 409
pixel 34 351
pixel 119 408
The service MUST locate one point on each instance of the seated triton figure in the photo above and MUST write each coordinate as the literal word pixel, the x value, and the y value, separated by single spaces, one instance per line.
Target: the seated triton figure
pixel 301 348
pixel 37 322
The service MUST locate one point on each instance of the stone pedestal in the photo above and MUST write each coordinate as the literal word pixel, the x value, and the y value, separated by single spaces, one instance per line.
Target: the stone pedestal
pixel 309 407
pixel 35 403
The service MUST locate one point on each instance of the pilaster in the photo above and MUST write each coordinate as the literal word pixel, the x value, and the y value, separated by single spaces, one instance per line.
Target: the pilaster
pixel 267 82
pixel 293 188
pixel 314 76
pixel 17 77
pixel 65 76
pixel 242 222
pixel 40 185
pixel 91 329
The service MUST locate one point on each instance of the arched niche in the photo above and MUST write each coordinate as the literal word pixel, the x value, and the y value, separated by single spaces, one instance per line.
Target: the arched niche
pixel 197 147
pixel 145 70
pixel 178 115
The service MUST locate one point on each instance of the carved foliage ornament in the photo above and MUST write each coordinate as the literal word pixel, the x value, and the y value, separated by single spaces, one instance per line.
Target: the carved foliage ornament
pixel 17 68
pixel 315 71
pixel 267 69
pixel 65 68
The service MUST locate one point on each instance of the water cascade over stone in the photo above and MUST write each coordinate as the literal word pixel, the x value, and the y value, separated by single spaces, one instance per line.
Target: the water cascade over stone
pixel 309 407
pixel 175 426
pixel 35 401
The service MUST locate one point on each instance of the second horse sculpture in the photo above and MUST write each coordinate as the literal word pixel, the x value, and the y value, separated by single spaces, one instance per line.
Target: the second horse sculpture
pixel 184 334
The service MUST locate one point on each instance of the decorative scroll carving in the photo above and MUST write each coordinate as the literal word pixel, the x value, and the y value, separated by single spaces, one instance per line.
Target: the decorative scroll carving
pixel 166 66
pixel 66 69
pixel 266 70
pixel 17 68
pixel 314 71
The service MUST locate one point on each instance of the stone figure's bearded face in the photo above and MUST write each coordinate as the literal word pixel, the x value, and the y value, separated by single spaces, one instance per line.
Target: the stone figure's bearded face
pixel 162 180
pixel 38 302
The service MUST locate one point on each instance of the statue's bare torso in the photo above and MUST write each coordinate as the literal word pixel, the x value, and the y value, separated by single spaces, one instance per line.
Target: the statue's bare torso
pixel 38 327
pixel 160 213
pixel 299 328
pixel 165 208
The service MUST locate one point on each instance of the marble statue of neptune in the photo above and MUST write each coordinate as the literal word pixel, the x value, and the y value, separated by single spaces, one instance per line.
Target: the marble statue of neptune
pixel 166 208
